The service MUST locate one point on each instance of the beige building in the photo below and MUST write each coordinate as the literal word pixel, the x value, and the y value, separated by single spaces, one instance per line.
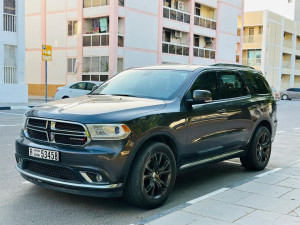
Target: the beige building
pixel 272 44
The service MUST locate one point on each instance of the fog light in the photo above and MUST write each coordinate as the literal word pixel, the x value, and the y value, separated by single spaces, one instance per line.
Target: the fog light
pixel 99 178
pixel 19 162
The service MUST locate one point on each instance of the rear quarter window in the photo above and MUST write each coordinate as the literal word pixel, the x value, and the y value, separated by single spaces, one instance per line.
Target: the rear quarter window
pixel 257 82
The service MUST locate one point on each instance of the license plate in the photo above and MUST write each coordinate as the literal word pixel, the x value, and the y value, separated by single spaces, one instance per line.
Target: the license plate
pixel 44 154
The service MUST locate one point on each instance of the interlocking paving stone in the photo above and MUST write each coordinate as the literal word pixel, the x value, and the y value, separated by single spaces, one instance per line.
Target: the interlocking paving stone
pixel 291 171
pixel 272 178
pixel 292 195
pixel 218 210
pixel 259 217
pixel 176 218
pixel 264 189
pixel 272 204
pixel 287 220
pixel 290 182
pixel 231 196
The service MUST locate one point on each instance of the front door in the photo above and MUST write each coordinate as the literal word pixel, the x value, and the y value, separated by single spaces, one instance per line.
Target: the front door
pixel 206 130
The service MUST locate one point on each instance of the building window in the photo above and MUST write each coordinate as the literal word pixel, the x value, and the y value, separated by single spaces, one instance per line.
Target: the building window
pixel 251 31
pixel 120 65
pixel 94 3
pixel 9 16
pixel 122 3
pixel 72 28
pixel 10 64
pixel 197 9
pixel 95 68
pixel 260 30
pixel 72 68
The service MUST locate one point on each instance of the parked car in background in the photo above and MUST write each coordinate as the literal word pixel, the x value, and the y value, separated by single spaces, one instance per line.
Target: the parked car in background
pixel 276 94
pixel 291 93
pixel 76 89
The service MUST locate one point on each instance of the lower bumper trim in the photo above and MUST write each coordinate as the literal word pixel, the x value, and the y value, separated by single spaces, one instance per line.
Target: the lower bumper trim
pixel 68 184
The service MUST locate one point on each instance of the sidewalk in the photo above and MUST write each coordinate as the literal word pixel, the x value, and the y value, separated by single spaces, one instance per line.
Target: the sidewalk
pixel 269 198
pixel 32 102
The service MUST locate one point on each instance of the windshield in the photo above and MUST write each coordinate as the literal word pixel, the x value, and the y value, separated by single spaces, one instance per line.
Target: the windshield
pixel 157 84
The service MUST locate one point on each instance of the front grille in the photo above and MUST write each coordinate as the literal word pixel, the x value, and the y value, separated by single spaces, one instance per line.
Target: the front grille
pixel 51 171
pixel 56 132
pixel 38 135
pixel 70 140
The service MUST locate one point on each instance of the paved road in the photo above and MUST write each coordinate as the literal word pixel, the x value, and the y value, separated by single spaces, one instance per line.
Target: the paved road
pixel 24 203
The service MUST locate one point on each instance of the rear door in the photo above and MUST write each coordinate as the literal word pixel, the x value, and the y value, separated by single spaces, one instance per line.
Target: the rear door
pixel 236 95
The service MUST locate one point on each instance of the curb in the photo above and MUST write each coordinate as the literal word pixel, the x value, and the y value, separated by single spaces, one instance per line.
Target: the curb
pixel 15 107
pixel 201 198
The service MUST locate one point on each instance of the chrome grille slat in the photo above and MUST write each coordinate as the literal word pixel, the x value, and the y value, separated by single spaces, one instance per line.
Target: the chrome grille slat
pixel 76 136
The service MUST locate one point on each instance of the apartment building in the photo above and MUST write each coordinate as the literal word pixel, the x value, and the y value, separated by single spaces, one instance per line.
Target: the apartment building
pixel 12 52
pixel 272 44
pixel 96 39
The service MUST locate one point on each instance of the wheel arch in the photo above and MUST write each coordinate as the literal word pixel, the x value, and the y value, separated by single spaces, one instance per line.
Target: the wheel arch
pixel 163 137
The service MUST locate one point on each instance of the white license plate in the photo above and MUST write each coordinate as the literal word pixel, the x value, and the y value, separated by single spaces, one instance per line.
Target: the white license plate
pixel 44 154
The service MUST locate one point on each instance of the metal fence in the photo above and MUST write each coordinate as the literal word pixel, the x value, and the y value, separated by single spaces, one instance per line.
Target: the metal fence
pixel 10 75
pixel 9 22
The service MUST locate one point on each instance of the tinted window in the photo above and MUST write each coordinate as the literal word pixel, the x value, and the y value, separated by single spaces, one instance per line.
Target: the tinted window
pixel 89 86
pixel 290 89
pixel 232 86
pixel 208 82
pixel 257 82
pixel 157 84
pixel 80 86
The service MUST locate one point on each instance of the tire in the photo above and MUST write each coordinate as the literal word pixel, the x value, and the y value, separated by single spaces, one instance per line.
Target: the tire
pixel 285 97
pixel 259 152
pixel 65 97
pixel 152 176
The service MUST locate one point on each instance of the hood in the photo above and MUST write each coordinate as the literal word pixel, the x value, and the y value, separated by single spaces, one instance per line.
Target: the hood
pixel 97 109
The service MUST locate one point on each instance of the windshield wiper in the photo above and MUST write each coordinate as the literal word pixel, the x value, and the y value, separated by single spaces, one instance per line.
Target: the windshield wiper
pixel 124 95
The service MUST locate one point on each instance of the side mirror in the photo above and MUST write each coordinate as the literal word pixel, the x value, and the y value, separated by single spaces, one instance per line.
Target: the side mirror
pixel 200 97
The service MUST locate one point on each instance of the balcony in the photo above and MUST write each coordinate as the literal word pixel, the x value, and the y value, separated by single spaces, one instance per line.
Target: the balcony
pixel 10 75
pixel 175 14
pixel 93 40
pixel 94 3
pixel 9 22
pixel 205 22
pixel 176 49
pixel 204 53
pixel 297 65
pixel 254 39
pixel 286 64
pixel 288 43
pixel 254 62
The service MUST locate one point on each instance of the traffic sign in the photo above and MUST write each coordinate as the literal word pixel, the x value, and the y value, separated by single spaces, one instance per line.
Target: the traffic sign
pixel 47 53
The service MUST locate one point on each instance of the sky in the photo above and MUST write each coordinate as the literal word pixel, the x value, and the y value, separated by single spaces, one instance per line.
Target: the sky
pixel 281 7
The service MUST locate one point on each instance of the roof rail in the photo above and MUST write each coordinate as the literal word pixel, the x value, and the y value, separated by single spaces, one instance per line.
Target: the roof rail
pixel 232 65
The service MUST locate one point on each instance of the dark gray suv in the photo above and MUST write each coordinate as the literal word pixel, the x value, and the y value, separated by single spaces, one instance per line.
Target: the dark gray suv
pixel 135 133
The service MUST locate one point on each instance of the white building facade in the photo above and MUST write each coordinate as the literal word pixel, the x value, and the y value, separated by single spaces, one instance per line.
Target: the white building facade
pixel 12 52
pixel 96 39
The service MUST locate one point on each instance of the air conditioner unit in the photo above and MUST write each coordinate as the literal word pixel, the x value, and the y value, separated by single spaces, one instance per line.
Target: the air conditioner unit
pixel 178 34
pixel 180 5
pixel 208 39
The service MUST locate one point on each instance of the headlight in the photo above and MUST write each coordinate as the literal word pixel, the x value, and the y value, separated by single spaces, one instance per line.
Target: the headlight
pixel 108 131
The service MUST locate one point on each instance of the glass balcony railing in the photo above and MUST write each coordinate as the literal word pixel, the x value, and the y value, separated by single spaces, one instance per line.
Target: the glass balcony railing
pixel 175 14
pixel 205 22
pixel 95 3
pixel 204 53
pixel 177 49
pixel 252 61
pixel 298 46
pixel 91 40
pixel 288 43
pixel 254 39
pixel 287 64
pixel 297 66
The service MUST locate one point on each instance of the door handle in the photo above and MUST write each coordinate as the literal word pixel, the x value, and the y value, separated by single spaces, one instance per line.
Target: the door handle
pixel 221 111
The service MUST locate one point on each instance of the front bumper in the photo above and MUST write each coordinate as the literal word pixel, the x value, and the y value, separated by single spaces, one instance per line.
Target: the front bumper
pixel 111 190
pixel 105 159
